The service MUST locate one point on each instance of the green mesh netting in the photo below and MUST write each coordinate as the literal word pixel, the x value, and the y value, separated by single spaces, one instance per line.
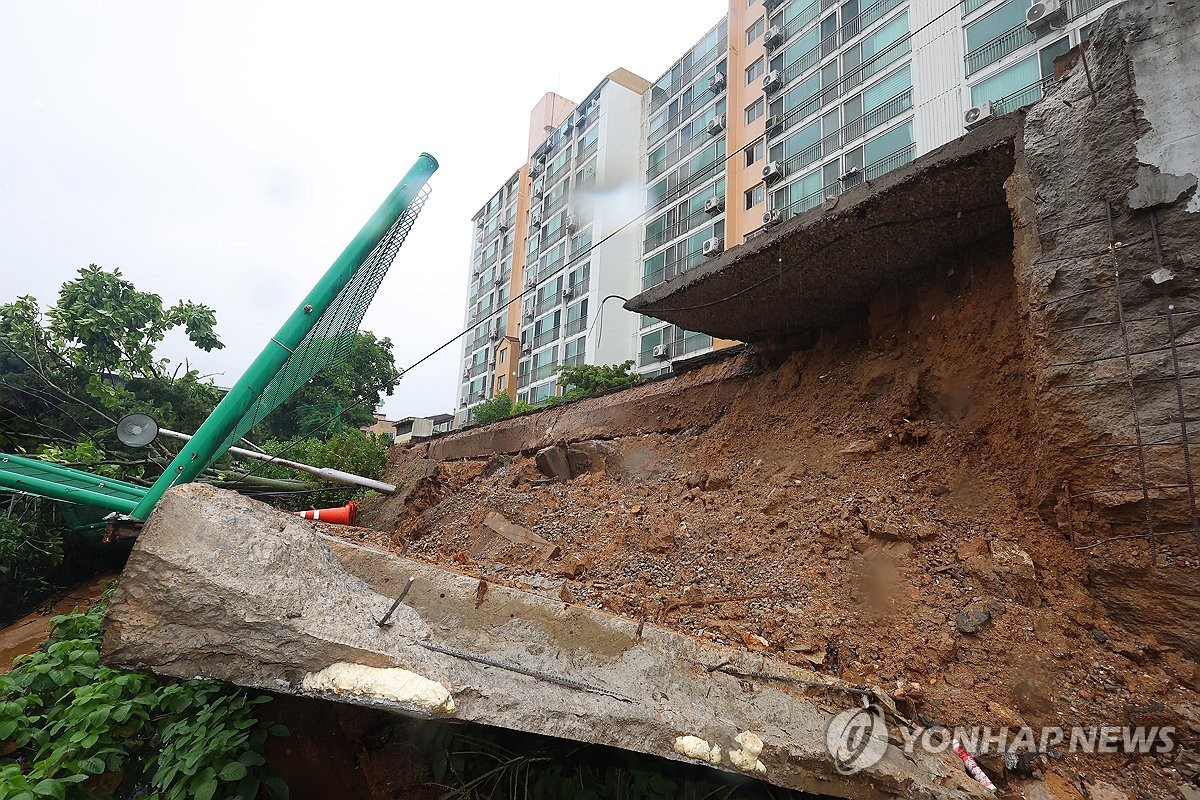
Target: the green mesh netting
pixel 333 333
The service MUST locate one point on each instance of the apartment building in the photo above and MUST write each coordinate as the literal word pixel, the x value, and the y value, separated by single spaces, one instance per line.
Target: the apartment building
pixel 778 108
pixel 565 231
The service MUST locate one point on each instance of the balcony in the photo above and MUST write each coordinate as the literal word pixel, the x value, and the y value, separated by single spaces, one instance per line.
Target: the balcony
pixel 989 53
pixel 479 369
pixel 575 326
pixel 545 371
pixel 670 270
pixel 545 338
pixel 573 361
pixel 586 153
pixel 546 303
pixel 677 229
pixel 888 163
pixel 1022 97
pixel 886 111
pixel 700 63
pixel 678 153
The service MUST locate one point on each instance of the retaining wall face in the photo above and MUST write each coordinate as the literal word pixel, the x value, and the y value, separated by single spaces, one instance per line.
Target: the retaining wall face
pixel 1119 144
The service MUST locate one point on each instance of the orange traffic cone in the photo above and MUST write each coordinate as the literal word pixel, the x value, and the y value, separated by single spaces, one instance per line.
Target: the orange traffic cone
pixel 339 516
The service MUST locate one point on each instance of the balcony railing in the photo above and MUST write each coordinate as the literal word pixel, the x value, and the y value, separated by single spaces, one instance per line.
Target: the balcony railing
pixel 989 53
pixel 801 20
pixel 863 20
pixel 688 182
pixel 575 326
pixel 573 361
pixel 479 369
pixel 546 303
pixel 677 229
pixel 1080 7
pixel 546 337
pixel 671 269
pixel 522 380
pixel 699 64
pixel 545 371
pixel 971 6
pixel 689 343
pixel 678 153
pixel 586 153
pixel 1022 97
pixel 888 163
pixel 553 206
pixel 886 111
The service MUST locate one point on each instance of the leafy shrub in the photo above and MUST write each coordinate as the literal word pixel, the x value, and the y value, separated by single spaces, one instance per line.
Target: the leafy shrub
pixel 69 725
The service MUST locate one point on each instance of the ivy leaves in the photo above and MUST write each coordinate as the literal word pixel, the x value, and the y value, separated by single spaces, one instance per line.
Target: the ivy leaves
pixel 69 725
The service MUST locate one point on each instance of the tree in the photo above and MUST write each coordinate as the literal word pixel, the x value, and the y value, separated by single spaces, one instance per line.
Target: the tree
pixel 345 393
pixel 585 379
pixel 499 407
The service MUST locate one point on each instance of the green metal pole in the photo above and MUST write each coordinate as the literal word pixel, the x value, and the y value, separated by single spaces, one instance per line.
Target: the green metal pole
pixel 60 491
pixel 197 454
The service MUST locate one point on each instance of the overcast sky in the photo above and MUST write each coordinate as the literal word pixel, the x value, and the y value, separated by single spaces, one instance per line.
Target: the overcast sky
pixel 225 152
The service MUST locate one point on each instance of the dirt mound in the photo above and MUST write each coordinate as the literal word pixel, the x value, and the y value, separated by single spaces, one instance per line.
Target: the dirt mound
pixel 866 507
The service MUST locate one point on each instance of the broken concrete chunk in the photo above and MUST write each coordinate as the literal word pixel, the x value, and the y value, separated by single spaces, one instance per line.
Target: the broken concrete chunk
pixel 862 448
pixel 1156 188
pixel 520 535
pixel 552 462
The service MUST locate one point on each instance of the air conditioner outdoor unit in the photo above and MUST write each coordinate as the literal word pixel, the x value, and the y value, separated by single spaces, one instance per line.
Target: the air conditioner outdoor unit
pixel 479 223
pixel 535 169
pixel 580 118
pixel 475 273
pixel 774 121
pixel 771 5
pixel 495 337
pixel 773 217
pixel 569 293
pixel 774 35
pixel 716 125
pixel 713 246
pixel 772 172
pixel 535 218
pixel 661 351
pixel 572 223
pixel 526 349
pixel 463 402
pixel 1041 16
pixel 537 189
pixel 714 205
pixel 529 314
pixel 772 81
pixel 502 225
pixel 466 373
pixel 977 115
pixel 717 82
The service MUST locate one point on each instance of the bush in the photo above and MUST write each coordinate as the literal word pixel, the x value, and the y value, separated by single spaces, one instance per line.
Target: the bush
pixel 69 726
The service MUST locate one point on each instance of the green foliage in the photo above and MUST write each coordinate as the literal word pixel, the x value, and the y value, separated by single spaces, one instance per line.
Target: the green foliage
pixel 30 547
pixel 104 325
pixel 355 385
pixel 589 378
pixel 67 719
pixel 350 451
pixel 499 407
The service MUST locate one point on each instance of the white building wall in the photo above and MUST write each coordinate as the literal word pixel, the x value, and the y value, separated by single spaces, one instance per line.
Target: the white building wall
pixel 937 72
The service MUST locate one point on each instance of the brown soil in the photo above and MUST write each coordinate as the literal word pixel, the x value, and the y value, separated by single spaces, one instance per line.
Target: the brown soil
pixel 863 492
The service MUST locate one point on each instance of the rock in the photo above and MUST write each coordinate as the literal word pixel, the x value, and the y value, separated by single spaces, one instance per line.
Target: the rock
pixel 972 620
pixel 861 448
pixel 1013 561
pixel 1054 787
pixel 1099 635
pixel 552 462
pixel 971 548
pixel 579 460
pixel 496 463
pixel 1099 790
pixel 697 480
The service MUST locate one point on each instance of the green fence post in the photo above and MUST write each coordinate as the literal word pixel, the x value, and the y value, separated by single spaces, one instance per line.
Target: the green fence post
pixel 199 452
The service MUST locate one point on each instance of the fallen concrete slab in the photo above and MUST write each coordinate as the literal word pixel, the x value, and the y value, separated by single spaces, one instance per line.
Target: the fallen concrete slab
pixel 224 587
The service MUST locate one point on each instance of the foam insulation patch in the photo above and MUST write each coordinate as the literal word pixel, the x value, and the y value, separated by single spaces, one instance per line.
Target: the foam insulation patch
pixel 390 683
pixel 746 758
pixel 697 748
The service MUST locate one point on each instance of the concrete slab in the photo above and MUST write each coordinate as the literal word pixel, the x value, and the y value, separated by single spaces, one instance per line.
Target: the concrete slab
pixel 807 272
pixel 225 587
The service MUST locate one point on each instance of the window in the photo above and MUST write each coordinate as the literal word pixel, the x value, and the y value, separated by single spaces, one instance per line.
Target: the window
pixel 890 143
pixel 1006 81
pixel 504 356
pixel 755 196
pixel 754 152
pixel 1048 54
pixel 500 383
pixel 756 69
pixel 756 110
pixel 1000 20
pixel 756 30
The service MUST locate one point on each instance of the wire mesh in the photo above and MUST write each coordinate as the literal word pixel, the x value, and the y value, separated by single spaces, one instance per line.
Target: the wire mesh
pixel 332 336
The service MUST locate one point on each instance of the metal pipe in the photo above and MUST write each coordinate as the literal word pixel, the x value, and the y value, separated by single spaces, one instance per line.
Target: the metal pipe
pixel 61 491
pixel 329 474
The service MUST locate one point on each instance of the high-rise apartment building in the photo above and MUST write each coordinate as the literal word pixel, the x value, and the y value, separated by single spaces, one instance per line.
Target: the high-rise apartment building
pixel 778 108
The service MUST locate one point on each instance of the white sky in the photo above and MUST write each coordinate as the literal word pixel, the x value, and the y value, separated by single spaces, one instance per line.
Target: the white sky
pixel 225 152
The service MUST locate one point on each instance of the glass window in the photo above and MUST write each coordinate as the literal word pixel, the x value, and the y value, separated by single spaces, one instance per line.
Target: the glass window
pixel 756 69
pixel 888 143
pixel 754 152
pixel 1003 18
pixel 756 30
pixel 1047 55
pixel 880 92
pixel 755 196
pixel 756 110
pixel 1006 81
